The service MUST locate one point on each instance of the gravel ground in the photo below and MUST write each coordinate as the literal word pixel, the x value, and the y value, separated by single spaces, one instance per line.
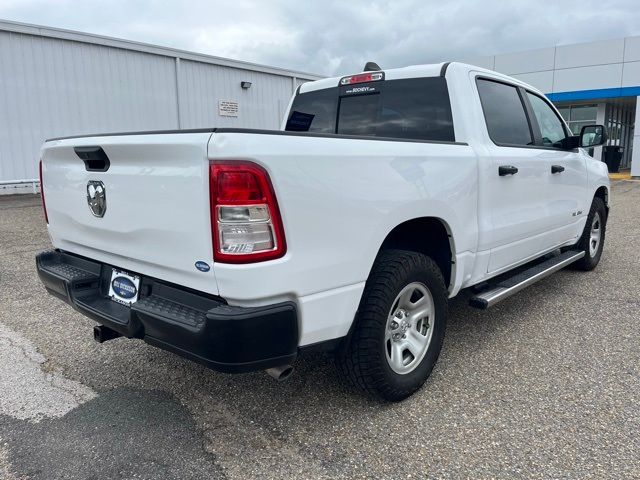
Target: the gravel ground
pixel 544 385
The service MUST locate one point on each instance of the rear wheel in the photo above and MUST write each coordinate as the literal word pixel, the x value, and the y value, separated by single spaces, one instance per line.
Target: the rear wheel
pixel 592 240
pixel 399 326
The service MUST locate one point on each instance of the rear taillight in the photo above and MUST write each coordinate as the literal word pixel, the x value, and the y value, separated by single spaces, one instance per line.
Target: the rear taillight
pixel 44 205
pixel 245 220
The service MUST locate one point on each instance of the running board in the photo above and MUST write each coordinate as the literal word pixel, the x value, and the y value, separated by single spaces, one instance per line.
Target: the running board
pixel 512 285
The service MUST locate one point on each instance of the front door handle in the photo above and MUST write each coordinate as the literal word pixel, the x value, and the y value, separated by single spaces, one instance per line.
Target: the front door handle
pixel 557 169
pixel 507 170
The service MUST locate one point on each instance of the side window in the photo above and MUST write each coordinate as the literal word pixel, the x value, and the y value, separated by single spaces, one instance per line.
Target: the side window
pixel 504 113
pixel 550 125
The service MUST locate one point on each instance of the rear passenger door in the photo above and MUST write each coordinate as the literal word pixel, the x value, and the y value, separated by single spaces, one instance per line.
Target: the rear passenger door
pixel 514 178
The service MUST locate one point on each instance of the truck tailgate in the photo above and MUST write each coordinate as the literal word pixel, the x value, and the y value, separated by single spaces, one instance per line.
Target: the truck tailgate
pixel 157 219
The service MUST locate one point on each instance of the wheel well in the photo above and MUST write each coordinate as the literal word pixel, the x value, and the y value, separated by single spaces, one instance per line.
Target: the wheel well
pixel 603 193
pixel 427 235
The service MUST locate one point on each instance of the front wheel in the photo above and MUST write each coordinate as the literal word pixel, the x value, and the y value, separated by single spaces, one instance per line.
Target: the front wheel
pixel 399 327
pixel 592 240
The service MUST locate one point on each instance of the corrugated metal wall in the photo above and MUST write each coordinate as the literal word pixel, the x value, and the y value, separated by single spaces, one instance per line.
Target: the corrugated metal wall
pixel 202 86
pixel 51 87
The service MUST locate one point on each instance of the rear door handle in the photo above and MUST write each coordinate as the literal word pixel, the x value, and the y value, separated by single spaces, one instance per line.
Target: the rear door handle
pixel 507 170
pixel 557 169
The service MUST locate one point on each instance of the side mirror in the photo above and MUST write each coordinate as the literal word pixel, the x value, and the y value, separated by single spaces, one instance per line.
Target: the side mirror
pixel 592 136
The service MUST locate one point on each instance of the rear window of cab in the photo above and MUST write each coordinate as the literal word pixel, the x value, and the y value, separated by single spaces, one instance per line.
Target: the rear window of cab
pixel 415 109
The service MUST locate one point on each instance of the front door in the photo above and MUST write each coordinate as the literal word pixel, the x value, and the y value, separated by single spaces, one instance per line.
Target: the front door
pixel 567 172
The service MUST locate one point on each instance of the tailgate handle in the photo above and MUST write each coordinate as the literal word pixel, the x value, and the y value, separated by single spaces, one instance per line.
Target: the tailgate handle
pixel 94 158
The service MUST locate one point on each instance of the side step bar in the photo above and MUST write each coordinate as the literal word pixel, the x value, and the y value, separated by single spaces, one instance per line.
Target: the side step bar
pixel 512 285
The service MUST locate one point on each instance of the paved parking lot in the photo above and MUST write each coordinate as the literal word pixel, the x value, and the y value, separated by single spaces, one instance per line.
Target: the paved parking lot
pixel 545 385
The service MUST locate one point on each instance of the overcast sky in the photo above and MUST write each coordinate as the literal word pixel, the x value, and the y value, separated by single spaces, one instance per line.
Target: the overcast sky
pixel 337 37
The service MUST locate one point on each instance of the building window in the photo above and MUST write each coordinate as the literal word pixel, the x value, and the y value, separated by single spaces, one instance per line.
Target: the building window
pixel 577 116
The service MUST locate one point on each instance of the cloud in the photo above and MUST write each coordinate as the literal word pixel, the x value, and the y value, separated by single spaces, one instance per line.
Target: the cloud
pixel 336 37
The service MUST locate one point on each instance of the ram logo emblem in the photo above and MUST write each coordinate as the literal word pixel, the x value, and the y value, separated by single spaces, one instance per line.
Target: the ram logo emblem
pixel 97 198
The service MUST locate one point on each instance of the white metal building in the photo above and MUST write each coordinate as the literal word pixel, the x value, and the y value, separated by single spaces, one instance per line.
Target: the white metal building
pixel 597 82
pixel 57 82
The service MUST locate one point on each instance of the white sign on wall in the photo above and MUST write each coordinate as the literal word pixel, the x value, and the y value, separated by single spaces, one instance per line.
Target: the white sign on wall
pixel 227 108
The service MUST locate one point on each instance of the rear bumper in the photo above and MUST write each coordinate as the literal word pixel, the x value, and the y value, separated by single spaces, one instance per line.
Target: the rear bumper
pixel 192 324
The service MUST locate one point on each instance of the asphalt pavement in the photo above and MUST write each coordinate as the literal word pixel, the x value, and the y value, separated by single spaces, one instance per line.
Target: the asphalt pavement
pixel 544 385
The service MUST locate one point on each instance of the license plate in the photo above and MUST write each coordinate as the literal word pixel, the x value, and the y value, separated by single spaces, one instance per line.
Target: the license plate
pixel 124 287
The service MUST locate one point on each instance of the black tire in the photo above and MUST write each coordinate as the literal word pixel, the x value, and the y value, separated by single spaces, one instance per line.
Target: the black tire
pixel 591 260
pixel 361 359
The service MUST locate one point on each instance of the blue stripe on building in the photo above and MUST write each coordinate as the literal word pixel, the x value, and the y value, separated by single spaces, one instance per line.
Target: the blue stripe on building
pixel 594 94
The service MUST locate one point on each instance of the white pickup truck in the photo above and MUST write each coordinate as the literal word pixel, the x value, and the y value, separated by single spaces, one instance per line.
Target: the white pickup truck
pixel 385 194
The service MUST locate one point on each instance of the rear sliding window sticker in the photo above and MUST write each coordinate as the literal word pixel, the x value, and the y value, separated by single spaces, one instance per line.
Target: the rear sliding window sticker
pixel 364 89
pixel 299 121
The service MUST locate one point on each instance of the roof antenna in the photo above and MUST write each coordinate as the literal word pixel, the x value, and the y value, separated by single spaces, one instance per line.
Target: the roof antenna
pixel 371 67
